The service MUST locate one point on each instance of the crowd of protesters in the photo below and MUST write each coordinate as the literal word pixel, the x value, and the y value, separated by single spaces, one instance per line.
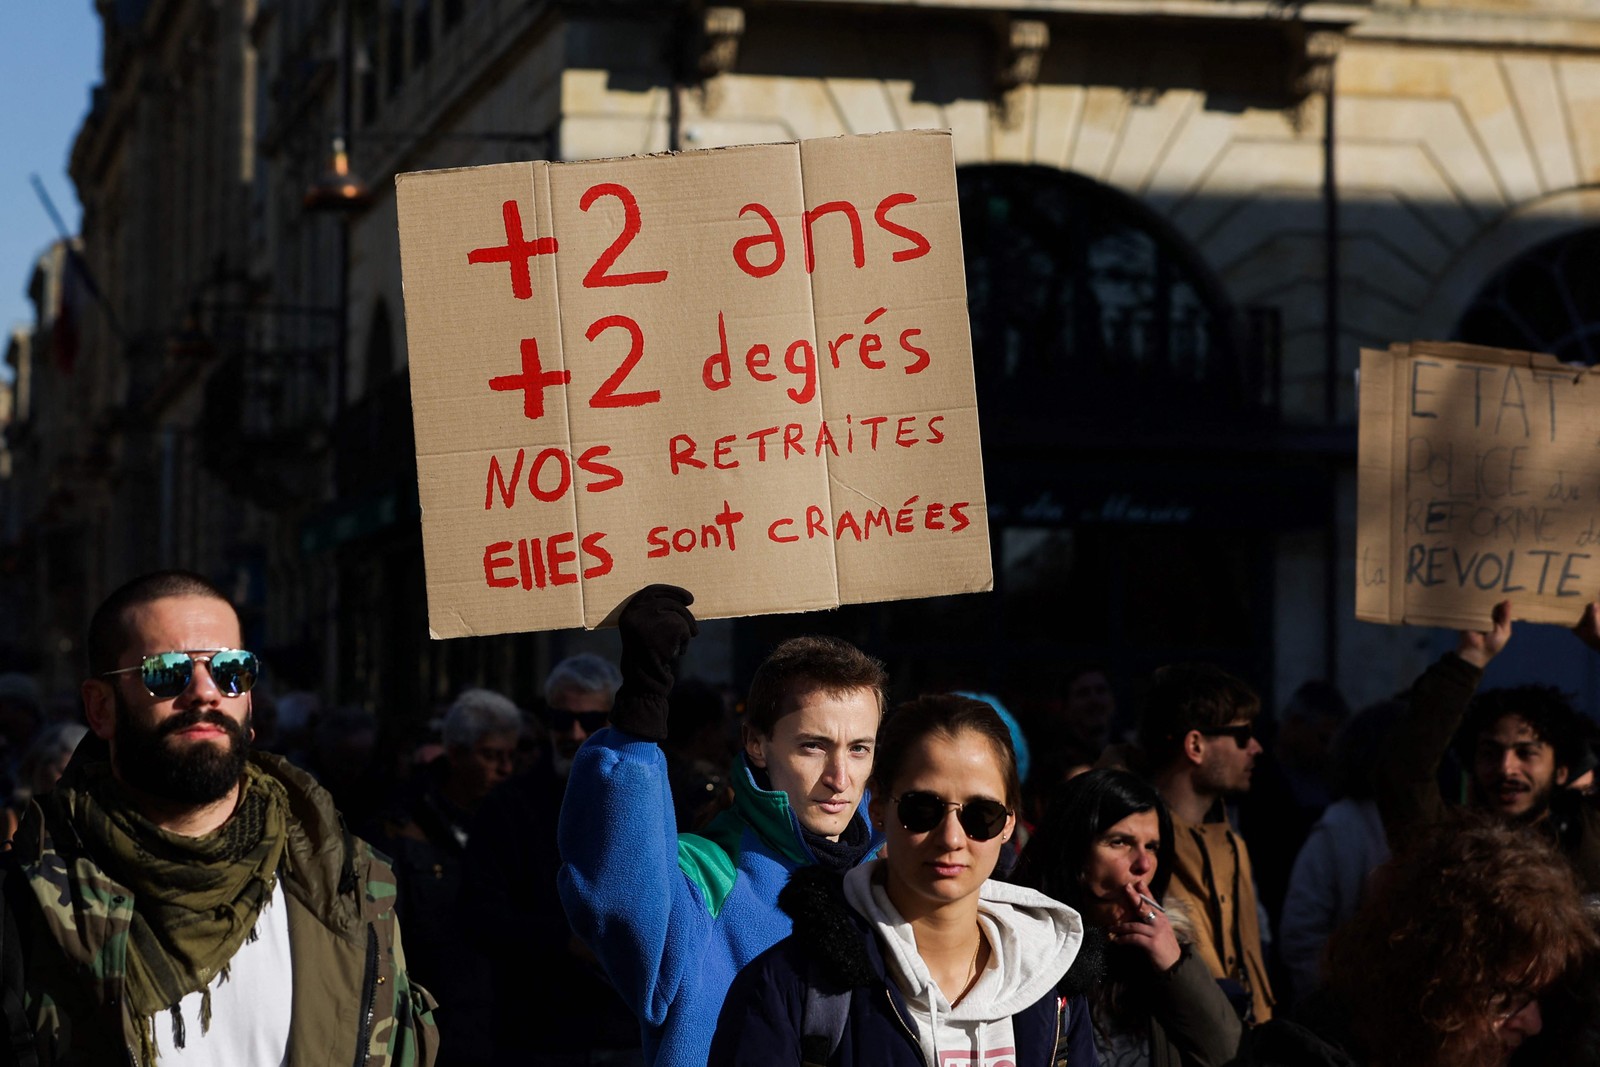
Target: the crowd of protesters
pixel 633 868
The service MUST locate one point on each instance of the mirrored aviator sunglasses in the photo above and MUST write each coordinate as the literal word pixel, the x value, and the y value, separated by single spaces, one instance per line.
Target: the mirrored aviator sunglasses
pixel 166 674
pixel 981 819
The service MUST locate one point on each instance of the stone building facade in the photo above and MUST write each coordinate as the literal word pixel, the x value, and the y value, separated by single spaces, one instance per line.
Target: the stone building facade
pixel 1183 218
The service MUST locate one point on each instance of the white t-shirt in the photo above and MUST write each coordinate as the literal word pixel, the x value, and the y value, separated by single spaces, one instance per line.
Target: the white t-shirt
pixel 249 1009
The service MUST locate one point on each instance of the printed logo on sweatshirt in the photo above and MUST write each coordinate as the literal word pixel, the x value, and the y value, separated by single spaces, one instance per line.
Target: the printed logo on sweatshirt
pixel 993 1057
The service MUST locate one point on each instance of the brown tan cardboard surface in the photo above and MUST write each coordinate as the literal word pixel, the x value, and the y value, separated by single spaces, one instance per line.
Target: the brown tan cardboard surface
pixel 1479 481
pixel 702 434
pixel 926 455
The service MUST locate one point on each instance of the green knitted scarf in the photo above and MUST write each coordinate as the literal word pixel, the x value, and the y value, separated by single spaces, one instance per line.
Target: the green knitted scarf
pixel 196 899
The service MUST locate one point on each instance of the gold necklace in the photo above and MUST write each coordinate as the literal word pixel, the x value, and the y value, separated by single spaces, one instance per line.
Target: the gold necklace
pixel 972 980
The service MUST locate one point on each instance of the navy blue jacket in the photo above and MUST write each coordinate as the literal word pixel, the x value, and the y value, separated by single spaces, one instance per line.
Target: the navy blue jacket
pixel 762 1020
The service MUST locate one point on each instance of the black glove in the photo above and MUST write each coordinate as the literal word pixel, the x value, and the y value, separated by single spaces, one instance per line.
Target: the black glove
pixel 656 626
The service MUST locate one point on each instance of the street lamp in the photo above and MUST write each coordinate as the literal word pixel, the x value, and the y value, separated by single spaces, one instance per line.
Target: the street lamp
pixel 338 190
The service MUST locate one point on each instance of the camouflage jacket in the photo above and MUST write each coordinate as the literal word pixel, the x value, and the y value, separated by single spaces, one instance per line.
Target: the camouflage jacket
pixel 353 1003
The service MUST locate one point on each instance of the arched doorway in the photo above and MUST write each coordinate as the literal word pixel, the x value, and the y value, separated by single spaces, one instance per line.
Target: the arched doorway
pixel 1132 500
pixel 1077 293
pixel 1545 300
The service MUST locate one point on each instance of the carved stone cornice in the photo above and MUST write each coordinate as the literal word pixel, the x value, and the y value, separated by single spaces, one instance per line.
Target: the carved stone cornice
pixel 1022 44
pixel 721 28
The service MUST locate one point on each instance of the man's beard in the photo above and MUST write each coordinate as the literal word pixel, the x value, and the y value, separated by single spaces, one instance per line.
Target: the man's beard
pixel 193 773
pixel 1213 781
pixel 1540 798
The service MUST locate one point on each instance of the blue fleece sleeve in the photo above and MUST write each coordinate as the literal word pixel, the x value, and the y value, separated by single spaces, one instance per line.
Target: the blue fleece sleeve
pixel 762 1016
pixel 620 883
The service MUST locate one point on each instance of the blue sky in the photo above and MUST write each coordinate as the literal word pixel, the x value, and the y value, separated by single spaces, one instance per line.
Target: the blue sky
pixel 49 59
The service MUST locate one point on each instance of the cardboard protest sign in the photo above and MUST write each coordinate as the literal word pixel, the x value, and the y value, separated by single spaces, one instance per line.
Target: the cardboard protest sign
pixel 1479 482
pixel 746 371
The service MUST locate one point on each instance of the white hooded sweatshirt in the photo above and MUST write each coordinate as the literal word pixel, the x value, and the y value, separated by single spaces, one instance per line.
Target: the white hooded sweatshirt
pixel 1032 939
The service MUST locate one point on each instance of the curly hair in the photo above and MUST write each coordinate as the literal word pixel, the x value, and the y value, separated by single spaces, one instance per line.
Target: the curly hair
pixel 1546 709
pixel 1475 916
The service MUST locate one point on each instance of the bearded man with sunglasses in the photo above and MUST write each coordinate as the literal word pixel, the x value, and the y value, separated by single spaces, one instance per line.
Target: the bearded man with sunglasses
pixel 673 917
pixel 181 899
pixel 1197 741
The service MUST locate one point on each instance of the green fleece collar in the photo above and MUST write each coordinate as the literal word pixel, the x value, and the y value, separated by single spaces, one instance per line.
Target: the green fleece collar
pixel 769 814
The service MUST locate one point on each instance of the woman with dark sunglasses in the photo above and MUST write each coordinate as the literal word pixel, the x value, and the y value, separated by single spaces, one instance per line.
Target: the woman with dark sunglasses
pixel 1104 847
pixel 918 957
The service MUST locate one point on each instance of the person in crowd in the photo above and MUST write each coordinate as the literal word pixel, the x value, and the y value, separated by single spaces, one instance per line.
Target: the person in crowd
pixel 1291 785
pixel 298 711
pixel 919 957
pixel 1330 873
pixel 533 742
pixel 1518 745
pixel 425 833
pixel 41 767
pixel 699 747
pixel 673 917
pixel 179 898
pixel 513 915
pixel 1105 848
pixel 577 701
pixel 1052 769
pixel 1581 775
pixel 1196 741
pixel 1091 706
pixel 21 714
pixel 343 757
pixel 1087 711
pixel 1452 958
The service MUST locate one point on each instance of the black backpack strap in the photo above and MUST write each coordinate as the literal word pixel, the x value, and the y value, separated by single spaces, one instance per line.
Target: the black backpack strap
pixel 821 1022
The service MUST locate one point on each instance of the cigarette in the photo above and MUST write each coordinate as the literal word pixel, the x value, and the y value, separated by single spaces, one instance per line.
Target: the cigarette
pixel 1152 903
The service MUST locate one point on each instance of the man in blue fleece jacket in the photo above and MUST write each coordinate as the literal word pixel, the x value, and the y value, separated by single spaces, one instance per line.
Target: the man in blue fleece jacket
pixel 674 917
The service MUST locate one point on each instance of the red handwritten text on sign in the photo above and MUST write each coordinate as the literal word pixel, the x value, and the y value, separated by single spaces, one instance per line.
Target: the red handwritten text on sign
pixel 708 368
pixel 918 244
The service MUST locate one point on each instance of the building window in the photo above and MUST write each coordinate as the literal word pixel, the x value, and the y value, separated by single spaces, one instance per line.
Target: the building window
pixel 1080 296
pixel 1089 313
pixel 1546 300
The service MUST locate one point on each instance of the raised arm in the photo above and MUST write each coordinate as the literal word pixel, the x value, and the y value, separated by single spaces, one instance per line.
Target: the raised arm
pixel 1588 627
pixel 1407 774
pixel 620 881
